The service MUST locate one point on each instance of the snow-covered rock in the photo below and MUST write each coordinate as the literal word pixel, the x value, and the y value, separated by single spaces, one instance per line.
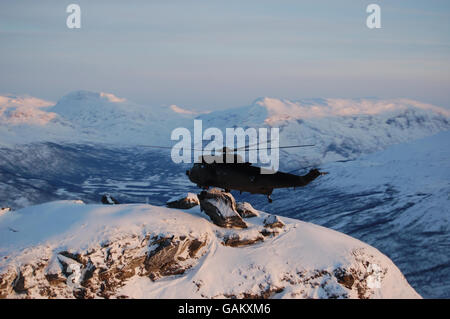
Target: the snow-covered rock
pixel 107 199
pixel 4 210
pixel 273 221
pixel 186 201
pixel 220 206
pixel 246 210
pixel 67 249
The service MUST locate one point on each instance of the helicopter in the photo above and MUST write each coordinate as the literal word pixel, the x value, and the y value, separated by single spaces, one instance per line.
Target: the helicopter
pixel 244 176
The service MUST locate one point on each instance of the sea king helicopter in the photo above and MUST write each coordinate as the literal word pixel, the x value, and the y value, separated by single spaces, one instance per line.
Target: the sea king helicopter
pixel 244 176
pixel 235 174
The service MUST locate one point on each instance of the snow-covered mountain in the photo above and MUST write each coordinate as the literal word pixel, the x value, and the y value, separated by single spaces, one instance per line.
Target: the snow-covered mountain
pixel 103 117
pixel 67 249
pixel 25 119
pixel 341 129
pixel 395 200
pixel 87 117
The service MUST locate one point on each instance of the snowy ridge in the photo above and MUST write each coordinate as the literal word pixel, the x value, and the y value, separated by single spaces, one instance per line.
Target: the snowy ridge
pixel 341 129
pixel 318 108
pixel 69 249
pixel 103 117
pixel 18 110
pixel 87 117
pixel 9 100
pixel 396 200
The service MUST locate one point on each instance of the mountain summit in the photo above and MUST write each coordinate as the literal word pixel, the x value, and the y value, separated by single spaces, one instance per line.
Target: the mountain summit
pixel 67 249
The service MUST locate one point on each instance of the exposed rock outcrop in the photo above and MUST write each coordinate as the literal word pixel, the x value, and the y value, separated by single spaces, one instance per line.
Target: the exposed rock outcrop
pixel 246 210
pixel 221 208
pixel 183 202
pixel 109 200
pixel 100 273
pixel 124 251
pixel 236 240
pixel 272 225
pixel 273 221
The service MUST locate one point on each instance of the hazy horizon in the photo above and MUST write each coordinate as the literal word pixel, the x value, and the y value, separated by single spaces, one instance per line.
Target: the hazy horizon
pixel 213 55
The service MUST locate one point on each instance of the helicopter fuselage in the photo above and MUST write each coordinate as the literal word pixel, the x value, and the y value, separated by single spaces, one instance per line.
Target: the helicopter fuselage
pixel 244 177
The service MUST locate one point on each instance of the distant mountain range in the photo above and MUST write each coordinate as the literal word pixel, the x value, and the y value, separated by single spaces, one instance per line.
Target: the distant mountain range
pixel 396 199
pixel 341 129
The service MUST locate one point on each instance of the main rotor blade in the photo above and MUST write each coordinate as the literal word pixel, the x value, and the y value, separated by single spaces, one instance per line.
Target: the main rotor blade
pixel 245 148
pixel 298 169
pixel 168 147
pixel 280 147
pixel 306 167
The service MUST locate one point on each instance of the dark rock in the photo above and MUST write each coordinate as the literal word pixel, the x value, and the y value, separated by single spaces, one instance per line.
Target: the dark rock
pixel 246 210
pixel 67 264
pixel 74 256
pixel 221 208
pixel 163 259
pixel 273 221
pixel 269 232
pixel 109 200
pixel 235 240
pixel 79 293
pixel 87 272
pixel 54 279
pixel 264 294
pixel 19 283
pixel 185 202
pixel 194 247
pixel 344 278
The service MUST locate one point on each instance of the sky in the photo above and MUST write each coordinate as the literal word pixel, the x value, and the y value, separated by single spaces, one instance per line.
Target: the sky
pixel 218 54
